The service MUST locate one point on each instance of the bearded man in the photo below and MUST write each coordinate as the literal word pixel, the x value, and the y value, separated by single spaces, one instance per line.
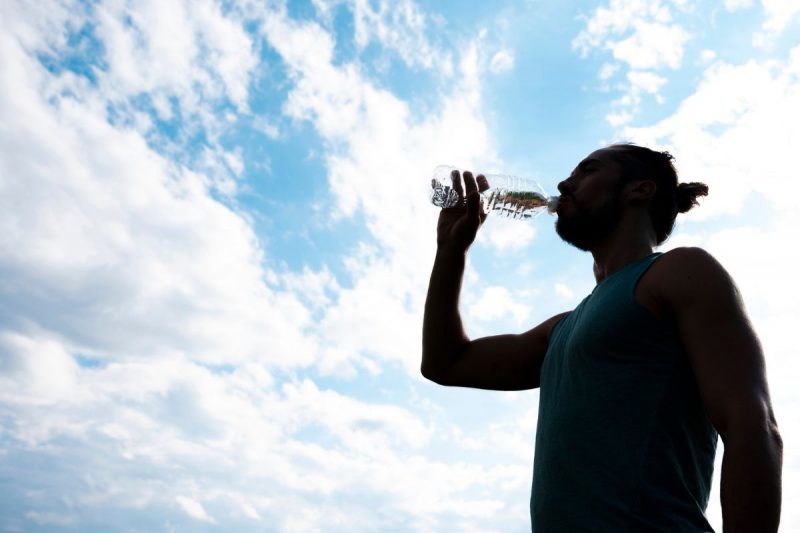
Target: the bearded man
pixel 638 381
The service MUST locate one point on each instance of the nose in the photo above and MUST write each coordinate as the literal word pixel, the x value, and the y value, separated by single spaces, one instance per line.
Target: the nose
pixel 564 187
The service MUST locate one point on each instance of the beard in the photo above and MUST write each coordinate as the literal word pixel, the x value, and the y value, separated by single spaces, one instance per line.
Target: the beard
pixel 585 229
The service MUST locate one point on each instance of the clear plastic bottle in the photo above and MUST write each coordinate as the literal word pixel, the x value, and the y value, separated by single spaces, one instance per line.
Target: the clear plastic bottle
pixel 507 196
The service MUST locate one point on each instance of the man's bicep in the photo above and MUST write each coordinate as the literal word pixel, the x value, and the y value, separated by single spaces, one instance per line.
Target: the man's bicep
pixel 503 362
pixel 721 344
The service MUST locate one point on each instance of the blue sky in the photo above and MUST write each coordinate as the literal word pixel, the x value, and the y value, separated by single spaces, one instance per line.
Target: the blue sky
pixel 215 242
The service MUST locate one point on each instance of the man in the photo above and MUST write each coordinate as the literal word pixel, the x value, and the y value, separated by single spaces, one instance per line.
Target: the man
pixel 637 381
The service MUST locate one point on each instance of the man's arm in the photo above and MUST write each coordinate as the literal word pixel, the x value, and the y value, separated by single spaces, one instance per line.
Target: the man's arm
pixel 449 357
pixel 729 367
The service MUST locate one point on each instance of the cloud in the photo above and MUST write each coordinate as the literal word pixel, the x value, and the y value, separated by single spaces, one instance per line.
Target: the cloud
pixel 119 250
pixel 707 55
pixel 154 368
pixel 641 36
pixel 779 15
pixel 225 449
pixel 564 291
pixel 156 47
pixel 626 107
pixel 380 155
pixel 646 82
pixel 608 70
pixel 194 509
pixel 652 45
pixel 506 235
pixel 732 133
pixel 48 372
pixel 734 5
pixel 496 302
pixel 398 26
pixel 502 61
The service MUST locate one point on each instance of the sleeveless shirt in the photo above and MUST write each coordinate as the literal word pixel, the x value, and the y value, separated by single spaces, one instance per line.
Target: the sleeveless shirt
pixel 622 442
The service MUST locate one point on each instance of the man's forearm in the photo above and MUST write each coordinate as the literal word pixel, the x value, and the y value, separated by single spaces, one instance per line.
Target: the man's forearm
pixel 751 482
pixel 442 330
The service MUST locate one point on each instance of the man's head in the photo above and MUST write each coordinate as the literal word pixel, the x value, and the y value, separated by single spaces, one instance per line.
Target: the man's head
pixel 620 179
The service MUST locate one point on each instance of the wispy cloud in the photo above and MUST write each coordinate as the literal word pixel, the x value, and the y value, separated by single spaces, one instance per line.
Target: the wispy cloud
pixel 145 344
pixel 640 35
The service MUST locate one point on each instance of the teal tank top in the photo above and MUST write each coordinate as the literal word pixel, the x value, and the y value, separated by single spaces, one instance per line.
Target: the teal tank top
pixel 623 442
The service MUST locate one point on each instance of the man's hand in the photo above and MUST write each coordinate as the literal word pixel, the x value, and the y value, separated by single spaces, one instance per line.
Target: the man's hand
pixel 449 357
pixel 459 225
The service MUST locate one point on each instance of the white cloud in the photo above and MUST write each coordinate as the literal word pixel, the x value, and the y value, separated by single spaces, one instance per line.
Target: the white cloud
pixel 378 164
pixel 143 341
pixel 156 47
pixel 194 509
pixel 267 126
pixel 222 445
pixel 399 26
pixel 779 15
pixel 639 83
pixel 497 302
pixel 502 61
pixel 564 291
pixel 619 118
pixel 48 372
pixel 708 55
pixel 119 250
pixel 637 32
pixel 726 134
pixel 505 234
pixel 734 5
pixel 652 45
pixel 646 82
pixel 608 70
pixel 641 36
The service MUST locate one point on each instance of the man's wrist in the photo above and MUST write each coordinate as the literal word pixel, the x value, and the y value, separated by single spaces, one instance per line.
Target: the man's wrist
pixel 448 251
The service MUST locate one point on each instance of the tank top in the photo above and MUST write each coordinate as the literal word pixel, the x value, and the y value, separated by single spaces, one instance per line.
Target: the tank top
pixel 622 442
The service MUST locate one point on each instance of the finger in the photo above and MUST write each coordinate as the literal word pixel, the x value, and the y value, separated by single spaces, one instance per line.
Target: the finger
pixel 473 198
pixel 469 183
pixel 483 183
pixel 456 177
pixel 473 204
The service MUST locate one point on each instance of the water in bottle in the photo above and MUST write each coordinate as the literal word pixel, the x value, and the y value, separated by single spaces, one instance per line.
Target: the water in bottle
pixel 507 196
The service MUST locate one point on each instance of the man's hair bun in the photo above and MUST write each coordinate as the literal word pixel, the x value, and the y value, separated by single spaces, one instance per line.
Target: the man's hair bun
pixel 687 194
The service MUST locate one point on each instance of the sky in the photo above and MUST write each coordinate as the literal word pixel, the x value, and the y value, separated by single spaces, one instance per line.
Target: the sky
pixel 215 242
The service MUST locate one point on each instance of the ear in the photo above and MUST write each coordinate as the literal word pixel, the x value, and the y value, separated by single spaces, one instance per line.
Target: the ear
pixel 641 191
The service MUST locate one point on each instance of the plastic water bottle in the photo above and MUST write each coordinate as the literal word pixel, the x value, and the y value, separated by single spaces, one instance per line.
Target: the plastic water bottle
pixel 507 196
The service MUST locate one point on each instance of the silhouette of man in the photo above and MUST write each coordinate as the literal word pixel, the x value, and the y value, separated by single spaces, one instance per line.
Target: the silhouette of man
pixel 639 379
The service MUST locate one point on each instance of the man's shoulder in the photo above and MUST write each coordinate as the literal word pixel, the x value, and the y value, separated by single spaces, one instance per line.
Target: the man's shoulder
pixel 684 254
pixel 686 262
pixel 685 271
pixel 675 270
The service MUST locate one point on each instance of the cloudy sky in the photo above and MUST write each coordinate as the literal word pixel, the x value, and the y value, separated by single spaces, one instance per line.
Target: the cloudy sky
pixel 215 241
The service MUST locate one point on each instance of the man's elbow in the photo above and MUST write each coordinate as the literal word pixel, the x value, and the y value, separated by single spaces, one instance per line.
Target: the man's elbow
pixel 775 437
pixel 433 374
pixel 428 374
pixel 761 430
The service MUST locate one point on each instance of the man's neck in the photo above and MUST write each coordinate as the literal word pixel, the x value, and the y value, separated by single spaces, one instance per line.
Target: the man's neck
pixel 626 245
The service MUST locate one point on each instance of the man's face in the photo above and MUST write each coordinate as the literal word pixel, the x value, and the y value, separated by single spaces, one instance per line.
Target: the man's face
pixel 589 209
